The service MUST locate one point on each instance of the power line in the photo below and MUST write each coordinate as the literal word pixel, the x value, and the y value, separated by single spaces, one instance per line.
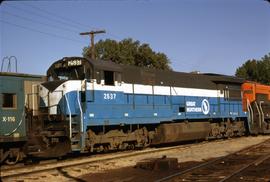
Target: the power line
pixel 47 17
pixel 34 21
pixel 59 16
pixel 38 31
pixel 67 19
pixel 42 16
pixel 54 19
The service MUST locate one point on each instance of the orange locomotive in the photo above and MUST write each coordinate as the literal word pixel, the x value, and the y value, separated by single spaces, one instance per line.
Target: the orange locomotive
pixel 256 101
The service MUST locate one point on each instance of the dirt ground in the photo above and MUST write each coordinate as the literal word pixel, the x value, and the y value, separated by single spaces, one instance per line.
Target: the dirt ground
pixel 120 170
pixel 133 174
pixel 124 170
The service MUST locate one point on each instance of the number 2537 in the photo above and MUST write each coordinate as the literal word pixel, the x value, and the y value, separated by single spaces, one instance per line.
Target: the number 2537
pixel 109 96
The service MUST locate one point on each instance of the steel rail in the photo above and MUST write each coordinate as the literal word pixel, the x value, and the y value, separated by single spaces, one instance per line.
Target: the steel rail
pixel 7 173
pixel 190 169
pixel 218 159
pixel 256 163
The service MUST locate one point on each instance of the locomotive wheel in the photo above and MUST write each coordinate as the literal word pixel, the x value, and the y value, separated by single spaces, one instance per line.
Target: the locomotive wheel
pixel 229 133
pixel 13 158
pixel 131 146
pixel 216 132
pixel 105 148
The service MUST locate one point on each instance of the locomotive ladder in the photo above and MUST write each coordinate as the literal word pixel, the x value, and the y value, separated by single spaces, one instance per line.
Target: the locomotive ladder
pixel 75 127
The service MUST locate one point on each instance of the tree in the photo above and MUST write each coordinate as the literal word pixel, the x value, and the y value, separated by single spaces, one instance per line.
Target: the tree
pixel 256 70
pixel 129 52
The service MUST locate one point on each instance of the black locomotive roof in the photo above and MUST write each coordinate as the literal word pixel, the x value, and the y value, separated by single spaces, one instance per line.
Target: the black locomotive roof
pixel 138 75
pixel 106 65
pixel 87 62
pixel 170 78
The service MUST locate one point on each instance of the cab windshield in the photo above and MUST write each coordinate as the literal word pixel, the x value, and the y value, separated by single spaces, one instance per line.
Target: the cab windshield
pixel 69 73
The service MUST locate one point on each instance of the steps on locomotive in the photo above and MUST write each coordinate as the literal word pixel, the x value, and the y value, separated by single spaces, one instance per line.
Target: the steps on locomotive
pixel 76 144
pixel 76 134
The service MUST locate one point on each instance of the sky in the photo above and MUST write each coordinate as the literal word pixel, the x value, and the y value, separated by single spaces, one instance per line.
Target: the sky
pixel 210 36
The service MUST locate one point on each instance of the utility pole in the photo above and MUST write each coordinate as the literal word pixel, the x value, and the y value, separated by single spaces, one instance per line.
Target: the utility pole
pixel 92 45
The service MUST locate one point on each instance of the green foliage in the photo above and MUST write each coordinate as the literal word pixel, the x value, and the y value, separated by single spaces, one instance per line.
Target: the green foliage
pixel 256 70
pixel 129 52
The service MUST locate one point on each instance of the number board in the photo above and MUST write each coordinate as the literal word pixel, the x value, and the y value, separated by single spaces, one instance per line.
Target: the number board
pixel 75 62
pixel 109 96
pixel 10 119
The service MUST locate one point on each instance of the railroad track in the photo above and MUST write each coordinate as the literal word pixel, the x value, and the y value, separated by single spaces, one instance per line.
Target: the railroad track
pixel 234 167
pixel 11 172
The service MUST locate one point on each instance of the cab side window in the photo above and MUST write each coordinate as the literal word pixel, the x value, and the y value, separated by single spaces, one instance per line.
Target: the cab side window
pixel 9 101
pixel 108 77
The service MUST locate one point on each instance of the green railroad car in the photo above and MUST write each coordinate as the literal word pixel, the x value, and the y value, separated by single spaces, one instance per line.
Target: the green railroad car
pixel 15 99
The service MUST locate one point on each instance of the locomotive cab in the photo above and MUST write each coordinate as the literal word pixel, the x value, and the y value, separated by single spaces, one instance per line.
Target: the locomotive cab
pixel 256 101
pixel 70 76
pixel 64 98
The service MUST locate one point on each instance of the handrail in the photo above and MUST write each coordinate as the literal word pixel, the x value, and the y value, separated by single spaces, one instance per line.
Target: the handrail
pixel 250 108
pixel 3 61
pixel 9 59
pixel 33 95
pixel 260 106
pixel 70 124
pixel 93 90
pixel 80 106
pixel 15 59
pixel 50 106
pixel 260 117
pixel 174 91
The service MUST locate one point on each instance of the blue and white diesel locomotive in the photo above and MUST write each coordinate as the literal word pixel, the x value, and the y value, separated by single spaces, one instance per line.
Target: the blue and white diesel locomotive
pixel 95 105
